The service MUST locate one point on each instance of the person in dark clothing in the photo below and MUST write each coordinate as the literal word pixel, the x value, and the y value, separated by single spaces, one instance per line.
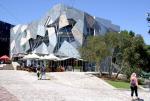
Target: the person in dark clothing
pixel 38 72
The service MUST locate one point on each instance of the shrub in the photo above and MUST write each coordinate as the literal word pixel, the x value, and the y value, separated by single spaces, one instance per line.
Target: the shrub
pixel 129 70
pixel 140 81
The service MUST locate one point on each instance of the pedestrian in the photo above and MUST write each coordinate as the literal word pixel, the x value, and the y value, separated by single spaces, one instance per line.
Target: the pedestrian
pixel 38 72
pixel 43 71
pixel 134 85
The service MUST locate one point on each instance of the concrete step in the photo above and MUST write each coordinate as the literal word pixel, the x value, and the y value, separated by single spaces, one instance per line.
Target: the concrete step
pixel 7 67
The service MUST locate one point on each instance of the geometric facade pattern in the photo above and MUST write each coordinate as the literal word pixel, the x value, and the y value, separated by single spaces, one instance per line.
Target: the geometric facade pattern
pixel 61 31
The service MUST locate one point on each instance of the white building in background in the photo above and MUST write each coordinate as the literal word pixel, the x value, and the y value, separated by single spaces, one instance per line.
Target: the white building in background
pixel 61 31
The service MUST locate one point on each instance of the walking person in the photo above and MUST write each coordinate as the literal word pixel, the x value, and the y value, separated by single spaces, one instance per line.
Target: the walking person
pixel 38 72
pixel 134 85
pixel 43 69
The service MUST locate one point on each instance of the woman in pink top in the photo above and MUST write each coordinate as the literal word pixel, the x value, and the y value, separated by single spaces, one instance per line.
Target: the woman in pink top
pixel 134 85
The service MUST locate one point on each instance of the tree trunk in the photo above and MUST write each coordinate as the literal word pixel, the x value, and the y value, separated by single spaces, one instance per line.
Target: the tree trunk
pixel 110 69
pixel 98 69
pixel 117 74
pixel 100 73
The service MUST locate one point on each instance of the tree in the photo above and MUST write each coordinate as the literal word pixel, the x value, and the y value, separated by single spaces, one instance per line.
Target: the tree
pixel 127 50
pixel 112 39
pixel 118 42
pixel 94 50
pixel 131 33
pixel 128 53
pixel 99 47
pixel 132 54
pixel 146 58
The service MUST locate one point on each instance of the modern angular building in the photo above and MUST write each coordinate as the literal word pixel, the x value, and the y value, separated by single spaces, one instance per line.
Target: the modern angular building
pixel 5 38
pixel 62 30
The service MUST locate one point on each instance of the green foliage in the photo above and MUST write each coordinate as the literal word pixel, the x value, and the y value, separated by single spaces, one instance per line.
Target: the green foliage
pixel 119 84
pixel 145 75
pixel 141 81
pixel 146 58
pixel 127 50
pixel 131 33
pixel 133 54
pixel 129 53
pixel 95 49
pixel 129 70
pixel 112 39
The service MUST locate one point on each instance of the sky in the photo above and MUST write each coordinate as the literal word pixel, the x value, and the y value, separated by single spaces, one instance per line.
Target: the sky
pixel 128 14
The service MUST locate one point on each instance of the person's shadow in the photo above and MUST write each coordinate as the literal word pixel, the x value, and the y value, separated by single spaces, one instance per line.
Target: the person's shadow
pixel 139 99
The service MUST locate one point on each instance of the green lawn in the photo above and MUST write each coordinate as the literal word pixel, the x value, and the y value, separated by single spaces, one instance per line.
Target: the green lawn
pixel 119 84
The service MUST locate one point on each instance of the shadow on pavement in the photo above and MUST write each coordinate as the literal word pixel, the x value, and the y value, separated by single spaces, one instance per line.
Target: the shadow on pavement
pixel 138 99
pixel 141 100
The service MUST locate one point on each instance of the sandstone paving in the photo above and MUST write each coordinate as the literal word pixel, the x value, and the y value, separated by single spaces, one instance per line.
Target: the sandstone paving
pixel 64 86
pixel 6 96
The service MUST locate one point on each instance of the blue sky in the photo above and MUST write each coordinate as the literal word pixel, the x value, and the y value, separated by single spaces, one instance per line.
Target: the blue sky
pixel 128 14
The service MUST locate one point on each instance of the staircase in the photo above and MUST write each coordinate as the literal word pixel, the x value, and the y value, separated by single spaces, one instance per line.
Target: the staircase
pixel 6 67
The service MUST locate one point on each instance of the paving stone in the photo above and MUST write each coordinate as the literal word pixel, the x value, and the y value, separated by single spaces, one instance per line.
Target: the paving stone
pixel 66 86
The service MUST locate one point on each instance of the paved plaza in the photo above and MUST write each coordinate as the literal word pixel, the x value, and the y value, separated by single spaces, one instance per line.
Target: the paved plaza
pixel 66 86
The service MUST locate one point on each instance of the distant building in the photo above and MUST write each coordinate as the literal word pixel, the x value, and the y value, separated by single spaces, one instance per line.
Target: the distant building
pixel 5 38
pixel 61 31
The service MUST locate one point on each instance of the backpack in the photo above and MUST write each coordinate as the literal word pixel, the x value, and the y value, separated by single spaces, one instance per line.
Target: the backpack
pixel 133 82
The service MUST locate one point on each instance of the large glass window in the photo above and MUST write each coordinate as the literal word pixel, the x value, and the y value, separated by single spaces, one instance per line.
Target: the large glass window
pixel 90 31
